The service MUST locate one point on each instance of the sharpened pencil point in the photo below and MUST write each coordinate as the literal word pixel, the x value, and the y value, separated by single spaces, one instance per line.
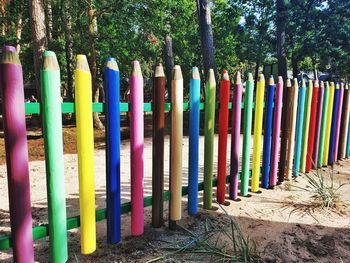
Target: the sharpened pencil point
pixel 288 83
pixel 159 72
pixel 195 73
pixel 271 80
pixel 211 76
pixel 238 78
pixel 177 73
pixel 225 75
pixel 250 76
pixel 82 63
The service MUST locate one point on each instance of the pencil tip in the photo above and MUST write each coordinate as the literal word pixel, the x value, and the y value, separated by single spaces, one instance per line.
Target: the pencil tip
pixel 238 78
pixel 195 73
pixel 271 80
pixel 159 72
pixel 250 76
pixel 177 73
pixel 136 68
pixel 111 63
pixel 225 75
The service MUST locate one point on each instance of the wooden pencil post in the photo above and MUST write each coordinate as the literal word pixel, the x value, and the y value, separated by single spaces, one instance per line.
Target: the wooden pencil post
pixel 176 144
pixel 299 128
pixel 223 128
pixel 267 133
pixel 312 127
pixel 276 132
pixel 323 124
pixel 54 162
pixel 85 145
pixel 306 126
pixel 12 94
pixel 318 125
pixel 247 127
pixel 284 131
pixel 235 141
pixel 328 123
pixel 339 117
pixel 344 124
pixel 158 147
pixel 258 122
pixel 136 149
pixel 291 129
pixel 334 124
pixel 194 122
pixel 209 126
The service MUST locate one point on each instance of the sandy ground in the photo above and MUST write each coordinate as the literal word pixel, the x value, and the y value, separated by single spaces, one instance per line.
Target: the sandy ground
pixel 284 222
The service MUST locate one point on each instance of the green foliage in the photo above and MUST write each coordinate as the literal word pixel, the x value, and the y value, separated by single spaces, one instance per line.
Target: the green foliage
pixel 317 34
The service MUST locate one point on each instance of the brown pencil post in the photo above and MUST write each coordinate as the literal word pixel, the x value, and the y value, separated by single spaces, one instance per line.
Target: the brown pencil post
pixel 344 124
pixel 284 134
pixel 158 100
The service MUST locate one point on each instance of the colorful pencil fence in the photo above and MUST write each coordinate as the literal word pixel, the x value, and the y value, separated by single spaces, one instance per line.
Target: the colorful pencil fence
pixel 314 124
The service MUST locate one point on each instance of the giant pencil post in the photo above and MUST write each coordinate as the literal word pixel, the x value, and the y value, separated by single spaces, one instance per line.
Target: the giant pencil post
pixel 195 84
pixel 52 128
pixel 334 124
pixel 284 131
pixel 277 114
pixel 85 145
pixel 267 133
pixel 323 124
pixel 339 118
pixel 112 91
pixel 209 126
pixel 247 127
pixel 176 143
pixel 312 127
pixel 327 137
pixel 235 141
pixel 306 125
pixel 12 94
pixel 292 124
pixel 158 147
pixel 223 127
pixel 258 122
pixel 299 128
pixel 136 149
pixel 318 125
pixel 345 124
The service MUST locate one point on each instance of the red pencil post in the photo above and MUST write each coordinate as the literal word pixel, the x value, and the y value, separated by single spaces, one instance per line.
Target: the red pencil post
pixel 312 128
pixel 223 128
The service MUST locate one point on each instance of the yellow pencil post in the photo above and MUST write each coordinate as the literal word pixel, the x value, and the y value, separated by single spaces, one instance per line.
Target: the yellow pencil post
pixel 258 122
pixel 85 145
pixel 328 123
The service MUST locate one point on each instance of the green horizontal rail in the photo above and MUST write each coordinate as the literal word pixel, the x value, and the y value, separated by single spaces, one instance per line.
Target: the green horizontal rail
pixel 69 107
pixel 101 214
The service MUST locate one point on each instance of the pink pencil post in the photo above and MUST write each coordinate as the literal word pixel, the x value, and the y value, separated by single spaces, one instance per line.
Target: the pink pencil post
pixel 14 123
pixel 276 132
pixel 136 144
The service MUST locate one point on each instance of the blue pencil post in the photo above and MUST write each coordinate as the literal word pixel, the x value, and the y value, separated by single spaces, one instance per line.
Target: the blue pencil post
pixel 193 142
pixel 334 124
pixel 299 128
pixel 267 133
pixel 112 90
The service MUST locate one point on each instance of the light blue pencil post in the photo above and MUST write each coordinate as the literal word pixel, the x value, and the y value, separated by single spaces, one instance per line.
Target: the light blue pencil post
pixel 299 128
pixel 193 142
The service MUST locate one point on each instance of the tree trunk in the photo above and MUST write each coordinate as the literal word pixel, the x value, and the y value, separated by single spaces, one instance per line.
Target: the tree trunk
pixel 206 32
pixel 49 20
pixel 169 63
pixel 281 37
pixel 295 66
pixel 257 65
pixel 69 49
pixel 38 27
pixel 3 15
pixel 19 32
pixel 93 61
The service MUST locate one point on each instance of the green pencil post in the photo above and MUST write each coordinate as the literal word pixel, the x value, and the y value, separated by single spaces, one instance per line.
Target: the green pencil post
pixel 52 129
